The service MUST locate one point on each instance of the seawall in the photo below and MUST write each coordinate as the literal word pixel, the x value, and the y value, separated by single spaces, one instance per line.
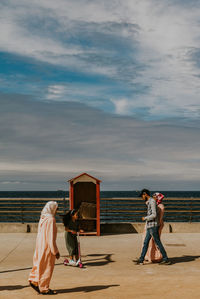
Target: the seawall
pixel 106 228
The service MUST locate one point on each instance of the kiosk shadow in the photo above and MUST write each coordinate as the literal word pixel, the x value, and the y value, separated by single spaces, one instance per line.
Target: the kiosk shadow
pixel 87 289
pixel 12 288
pixel 184 259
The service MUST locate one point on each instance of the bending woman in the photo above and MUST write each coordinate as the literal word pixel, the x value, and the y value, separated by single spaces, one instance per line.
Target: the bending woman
pixel 71 228
pixel 46 250
pixel 153 254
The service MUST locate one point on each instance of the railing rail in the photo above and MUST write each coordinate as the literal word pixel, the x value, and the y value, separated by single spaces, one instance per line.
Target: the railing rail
pixel 27 210
pixel 131 210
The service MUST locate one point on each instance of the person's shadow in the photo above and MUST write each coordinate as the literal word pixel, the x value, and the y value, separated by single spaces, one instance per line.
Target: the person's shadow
pixel 184 259
pixel 95 259
pixel 12 288
pixel 98 259
pixel 87 289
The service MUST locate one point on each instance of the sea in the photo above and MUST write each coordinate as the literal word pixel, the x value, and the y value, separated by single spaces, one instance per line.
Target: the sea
pixel 103 194
pixel 117 206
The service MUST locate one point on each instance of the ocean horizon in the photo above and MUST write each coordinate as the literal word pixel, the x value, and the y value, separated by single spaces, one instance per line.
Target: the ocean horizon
pixel 103 194
pixel 118 206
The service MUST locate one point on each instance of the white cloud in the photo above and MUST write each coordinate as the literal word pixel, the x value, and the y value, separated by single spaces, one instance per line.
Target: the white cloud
pixel 55 92
pixel 122 106
pixel 54 141
pixel 156 58
pixel 167 33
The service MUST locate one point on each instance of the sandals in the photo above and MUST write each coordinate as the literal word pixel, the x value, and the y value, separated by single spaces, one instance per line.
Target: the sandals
pixel 36 288
pixel 49 292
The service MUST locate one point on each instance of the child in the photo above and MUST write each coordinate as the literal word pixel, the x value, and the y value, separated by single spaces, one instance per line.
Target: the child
pixel 71 224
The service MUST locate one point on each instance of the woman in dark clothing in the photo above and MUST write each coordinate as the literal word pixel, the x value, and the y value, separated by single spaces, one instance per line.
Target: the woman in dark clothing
pixel 71 224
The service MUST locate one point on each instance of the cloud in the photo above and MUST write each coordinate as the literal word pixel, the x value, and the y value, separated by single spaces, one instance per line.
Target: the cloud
pixel 51 142
pixel 55 92
pixel 121 106
pixel 149 49
pixel 107 87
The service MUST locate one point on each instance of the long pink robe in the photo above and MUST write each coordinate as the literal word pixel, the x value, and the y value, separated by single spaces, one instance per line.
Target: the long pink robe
pixel 153 253
pixel 44 256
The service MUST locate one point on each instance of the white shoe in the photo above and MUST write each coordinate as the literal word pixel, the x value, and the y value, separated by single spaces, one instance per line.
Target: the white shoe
pixel 77 263
pixel 72 263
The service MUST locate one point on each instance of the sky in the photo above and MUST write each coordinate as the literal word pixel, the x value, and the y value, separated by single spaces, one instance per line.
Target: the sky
pixel 106 87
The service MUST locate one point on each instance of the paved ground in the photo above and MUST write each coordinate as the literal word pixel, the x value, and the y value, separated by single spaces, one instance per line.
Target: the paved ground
pixel 109 272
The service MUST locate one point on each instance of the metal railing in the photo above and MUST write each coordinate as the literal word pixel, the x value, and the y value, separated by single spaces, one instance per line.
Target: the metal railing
pixel 132 209
pixel 25 210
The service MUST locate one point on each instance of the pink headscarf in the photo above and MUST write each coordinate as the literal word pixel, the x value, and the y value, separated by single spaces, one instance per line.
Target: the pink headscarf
pixel 159 197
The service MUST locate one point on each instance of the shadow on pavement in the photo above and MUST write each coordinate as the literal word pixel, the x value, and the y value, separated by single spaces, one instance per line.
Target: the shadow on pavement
pixel 23 269
pixel 98 260
pixel 87 289
pixel 11 288
pixel 15 270
pixel 184 259
pixel 117 228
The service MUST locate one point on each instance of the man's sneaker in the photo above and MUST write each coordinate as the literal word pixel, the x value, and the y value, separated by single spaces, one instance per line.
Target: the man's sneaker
pixel 165 262
pixel 138 262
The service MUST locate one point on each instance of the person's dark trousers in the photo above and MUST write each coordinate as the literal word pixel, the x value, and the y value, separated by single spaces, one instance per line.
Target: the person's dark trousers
pixel 153 232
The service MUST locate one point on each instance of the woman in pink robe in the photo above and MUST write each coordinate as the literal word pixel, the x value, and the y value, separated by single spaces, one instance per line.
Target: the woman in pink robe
pixel 153 253
pixel 46 250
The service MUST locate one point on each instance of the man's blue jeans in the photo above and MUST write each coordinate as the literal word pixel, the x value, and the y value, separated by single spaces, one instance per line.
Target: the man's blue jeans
pixel 153 232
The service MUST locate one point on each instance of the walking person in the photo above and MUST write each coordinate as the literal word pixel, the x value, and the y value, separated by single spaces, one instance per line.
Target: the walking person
pixel 151 228
pixel 153 253
pixel 46 251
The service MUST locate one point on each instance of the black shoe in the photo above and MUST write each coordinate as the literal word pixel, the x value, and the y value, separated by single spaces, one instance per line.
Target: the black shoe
pixel 36 288
pixel 138 262
pixel 165 262
pixel 49 292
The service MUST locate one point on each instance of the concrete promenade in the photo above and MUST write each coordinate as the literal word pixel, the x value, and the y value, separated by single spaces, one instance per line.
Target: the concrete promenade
pixel 109 271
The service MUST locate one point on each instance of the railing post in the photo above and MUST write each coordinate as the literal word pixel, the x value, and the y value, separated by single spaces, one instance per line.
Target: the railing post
pixel 65 203
pixel 190 210
pixel 22 211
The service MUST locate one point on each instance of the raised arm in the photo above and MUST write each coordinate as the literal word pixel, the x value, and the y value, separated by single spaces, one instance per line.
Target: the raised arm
pixel 69 230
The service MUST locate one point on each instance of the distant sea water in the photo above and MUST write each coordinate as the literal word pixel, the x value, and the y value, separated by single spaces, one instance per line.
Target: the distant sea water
pixel 103 194
pixel 119 206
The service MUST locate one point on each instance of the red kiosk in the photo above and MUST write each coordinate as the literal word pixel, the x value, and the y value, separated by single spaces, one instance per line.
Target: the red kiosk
pixel 84 195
